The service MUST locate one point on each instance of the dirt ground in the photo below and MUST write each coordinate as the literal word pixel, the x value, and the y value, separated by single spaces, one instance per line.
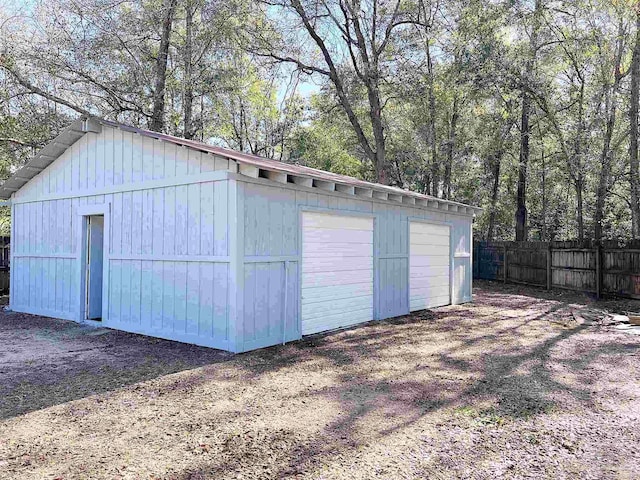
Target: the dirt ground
pixel 512 386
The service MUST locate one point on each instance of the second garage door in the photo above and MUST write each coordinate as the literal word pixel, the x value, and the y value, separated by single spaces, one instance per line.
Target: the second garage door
pixel 429 265
pixel 337 271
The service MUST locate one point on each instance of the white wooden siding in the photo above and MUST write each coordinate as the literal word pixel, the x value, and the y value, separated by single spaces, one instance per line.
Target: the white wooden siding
pixel 115 157
pixel 271 234
pixel 429 265
pixel 337 271
pixel 172 266
pixel 168 265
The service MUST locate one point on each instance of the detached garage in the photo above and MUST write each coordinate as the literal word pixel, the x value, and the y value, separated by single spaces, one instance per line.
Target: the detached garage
pixel 173 238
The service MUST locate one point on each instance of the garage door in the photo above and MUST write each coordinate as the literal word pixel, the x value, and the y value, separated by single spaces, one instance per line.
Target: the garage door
pixel 429 265
pixel 337 271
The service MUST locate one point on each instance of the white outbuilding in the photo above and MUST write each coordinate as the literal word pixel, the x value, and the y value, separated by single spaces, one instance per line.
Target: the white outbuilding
pixel 176 239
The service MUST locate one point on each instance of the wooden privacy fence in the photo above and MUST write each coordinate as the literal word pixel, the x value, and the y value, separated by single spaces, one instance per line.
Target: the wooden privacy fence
pixel 608 268
pixel 5 246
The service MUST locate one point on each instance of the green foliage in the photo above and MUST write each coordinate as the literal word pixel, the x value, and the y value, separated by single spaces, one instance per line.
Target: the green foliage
pixel 100 56
pixel 325 148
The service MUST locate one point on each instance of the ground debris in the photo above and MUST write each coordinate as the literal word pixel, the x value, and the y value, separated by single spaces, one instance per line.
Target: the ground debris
pixel 601 318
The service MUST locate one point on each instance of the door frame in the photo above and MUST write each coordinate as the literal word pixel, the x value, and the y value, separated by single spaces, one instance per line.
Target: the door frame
pixel 411 220
pixel 82 212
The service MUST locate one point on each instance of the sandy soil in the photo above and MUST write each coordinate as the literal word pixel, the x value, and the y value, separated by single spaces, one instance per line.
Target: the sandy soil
pixel 512 386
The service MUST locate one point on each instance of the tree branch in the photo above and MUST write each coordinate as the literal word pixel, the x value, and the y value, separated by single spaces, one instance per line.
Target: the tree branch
pixel 337 82
pixel 17 142
pixel 38 91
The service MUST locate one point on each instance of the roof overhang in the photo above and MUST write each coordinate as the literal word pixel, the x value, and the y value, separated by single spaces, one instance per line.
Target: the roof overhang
pixel 49 154
pixel 248 165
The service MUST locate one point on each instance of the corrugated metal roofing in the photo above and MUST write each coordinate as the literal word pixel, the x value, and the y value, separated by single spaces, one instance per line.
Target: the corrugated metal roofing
pixel 77 129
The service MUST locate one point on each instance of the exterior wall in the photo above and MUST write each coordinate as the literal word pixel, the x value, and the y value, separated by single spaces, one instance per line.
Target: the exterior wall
pixel 271 243
pixel 268 266
pixel 168 263
pixel 43 264
pixel 195 253
pixel 462 246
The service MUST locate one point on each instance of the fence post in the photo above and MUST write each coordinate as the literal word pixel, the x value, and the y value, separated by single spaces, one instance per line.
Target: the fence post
pixel 504 263
pixel 598 253
pixel 549 265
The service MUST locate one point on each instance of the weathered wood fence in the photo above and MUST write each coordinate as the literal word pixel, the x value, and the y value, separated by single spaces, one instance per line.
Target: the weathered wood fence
pixel 608 268
pixel 5 250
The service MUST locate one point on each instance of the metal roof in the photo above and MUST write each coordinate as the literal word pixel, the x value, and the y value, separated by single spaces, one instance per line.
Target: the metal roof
pixel 250 165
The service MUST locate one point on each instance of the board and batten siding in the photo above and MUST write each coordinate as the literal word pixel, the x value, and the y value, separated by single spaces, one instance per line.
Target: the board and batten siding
pixel 196 253
pixel 168 266
pixel 461 238
pixel 116 158
pixel 271 239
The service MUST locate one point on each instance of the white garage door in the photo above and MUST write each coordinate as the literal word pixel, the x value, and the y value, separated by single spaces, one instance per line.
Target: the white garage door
pixel 337 271
pixel 429 265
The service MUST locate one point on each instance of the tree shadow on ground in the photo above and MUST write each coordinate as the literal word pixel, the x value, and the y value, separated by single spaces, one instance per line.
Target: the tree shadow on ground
pixel 399 372
pixel 515 380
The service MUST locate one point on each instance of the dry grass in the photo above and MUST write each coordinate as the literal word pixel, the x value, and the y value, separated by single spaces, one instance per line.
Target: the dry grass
pixel 511 386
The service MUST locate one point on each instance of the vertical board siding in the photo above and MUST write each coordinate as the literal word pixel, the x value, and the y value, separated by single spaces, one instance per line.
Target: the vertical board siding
pixel 461 279
pixel 271 231
pixel 182 300
pixel 115 157
pixel 393 299
pixel 536 262
pixel 265 321
pixel 147 293
pixel 43 274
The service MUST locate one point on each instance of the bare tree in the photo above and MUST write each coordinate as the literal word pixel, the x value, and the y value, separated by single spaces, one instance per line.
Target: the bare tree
pixel 7 65
pixel 366 33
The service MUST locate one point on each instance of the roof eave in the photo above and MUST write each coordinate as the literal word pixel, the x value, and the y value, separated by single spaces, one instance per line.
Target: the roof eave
pixel 248 165
pixel 48 154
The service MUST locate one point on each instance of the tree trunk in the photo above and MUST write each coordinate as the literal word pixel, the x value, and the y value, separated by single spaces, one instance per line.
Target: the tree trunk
pixel 431 127
pixel 633 131
pixel 607 154
pixel 579 185
pixel 605 171
pixel 544 235
pixel 497 160
pixel 157 116
pixel 375 109
pixel 525 132
pixel 495 168
pixel 451 145
pixel 521 207
pixel 188 71
pixel 576 168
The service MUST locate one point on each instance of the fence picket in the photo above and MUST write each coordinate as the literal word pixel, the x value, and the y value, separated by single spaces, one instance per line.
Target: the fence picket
pixel 610 268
